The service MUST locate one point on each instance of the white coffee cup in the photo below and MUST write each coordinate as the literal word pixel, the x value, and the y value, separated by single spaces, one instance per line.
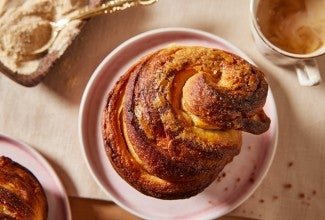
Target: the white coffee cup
pixel 305 64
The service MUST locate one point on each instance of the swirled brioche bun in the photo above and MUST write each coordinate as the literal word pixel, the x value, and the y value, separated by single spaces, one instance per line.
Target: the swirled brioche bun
pixel 21 194
pixel 175 118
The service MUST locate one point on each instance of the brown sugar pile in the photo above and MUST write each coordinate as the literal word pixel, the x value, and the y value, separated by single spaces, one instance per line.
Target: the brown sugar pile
pixel 25 27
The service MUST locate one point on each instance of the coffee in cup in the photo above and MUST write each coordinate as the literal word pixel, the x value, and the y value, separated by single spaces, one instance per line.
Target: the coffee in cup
pixel 296 26
pixel 291 32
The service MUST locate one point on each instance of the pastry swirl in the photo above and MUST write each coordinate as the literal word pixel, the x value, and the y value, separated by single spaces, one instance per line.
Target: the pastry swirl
pixel 175 118
pixel 21 194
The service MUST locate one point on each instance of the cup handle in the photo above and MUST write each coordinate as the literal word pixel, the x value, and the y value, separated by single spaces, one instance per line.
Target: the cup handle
pixel 308 72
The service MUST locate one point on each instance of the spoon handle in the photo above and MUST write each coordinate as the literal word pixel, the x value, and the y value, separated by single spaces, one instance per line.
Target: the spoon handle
pixel 105 8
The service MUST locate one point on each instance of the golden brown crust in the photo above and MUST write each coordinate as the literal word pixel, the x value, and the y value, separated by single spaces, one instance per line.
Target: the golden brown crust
pixel 171 122
pixel 236 94
pixel 21 194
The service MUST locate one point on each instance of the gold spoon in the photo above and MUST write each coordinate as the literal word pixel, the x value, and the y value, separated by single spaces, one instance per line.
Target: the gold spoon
pixel 109 7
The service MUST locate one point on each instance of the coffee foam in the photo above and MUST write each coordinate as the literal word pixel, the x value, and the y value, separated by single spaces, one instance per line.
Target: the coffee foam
pixel 296 26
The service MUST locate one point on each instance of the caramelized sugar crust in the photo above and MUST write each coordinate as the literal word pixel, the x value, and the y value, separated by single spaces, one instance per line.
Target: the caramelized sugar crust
pixel 175 119
pixel 21 194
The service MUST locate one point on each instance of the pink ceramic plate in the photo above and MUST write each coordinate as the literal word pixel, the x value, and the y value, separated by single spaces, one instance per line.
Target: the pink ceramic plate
pixel 55 193
pixel 239 179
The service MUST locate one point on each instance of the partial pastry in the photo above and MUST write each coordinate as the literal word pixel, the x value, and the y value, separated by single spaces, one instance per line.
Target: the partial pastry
pixel 175 118
pixel 25 27
pixel 21 194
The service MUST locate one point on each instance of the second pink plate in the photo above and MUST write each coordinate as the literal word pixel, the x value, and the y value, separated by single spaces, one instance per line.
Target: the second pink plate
pixel 239 179
pixel 26 156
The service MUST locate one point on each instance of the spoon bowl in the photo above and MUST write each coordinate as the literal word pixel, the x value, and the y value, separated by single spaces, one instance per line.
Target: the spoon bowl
pixel 106 8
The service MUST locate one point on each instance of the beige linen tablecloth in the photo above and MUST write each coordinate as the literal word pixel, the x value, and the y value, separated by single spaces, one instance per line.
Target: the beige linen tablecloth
pixel 46 116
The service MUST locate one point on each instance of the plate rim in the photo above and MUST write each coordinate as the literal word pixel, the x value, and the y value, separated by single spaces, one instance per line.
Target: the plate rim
pixel 97 73
pixel 48 167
